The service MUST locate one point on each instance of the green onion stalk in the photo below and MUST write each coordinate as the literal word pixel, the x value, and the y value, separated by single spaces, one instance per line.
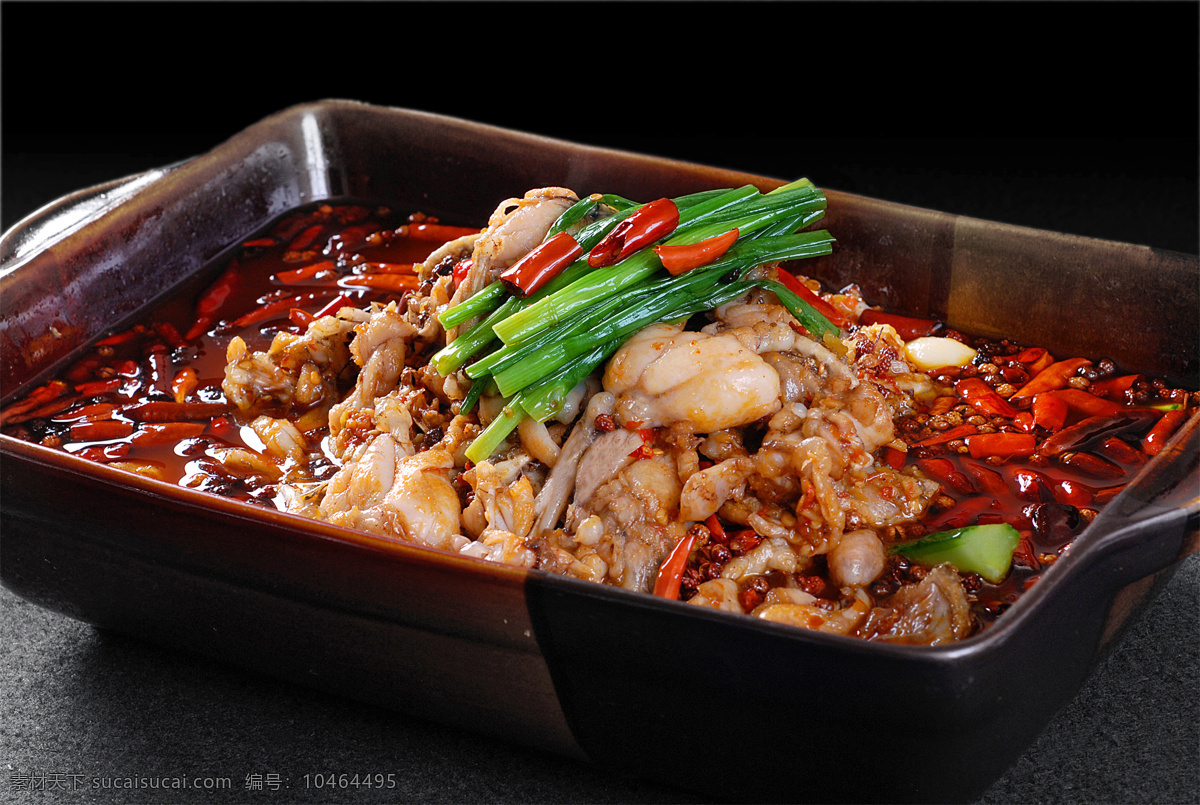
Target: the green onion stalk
pixel 534 351
pixel 498 307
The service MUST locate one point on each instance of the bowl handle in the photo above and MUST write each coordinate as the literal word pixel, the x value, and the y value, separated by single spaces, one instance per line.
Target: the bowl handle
pixel 1155 521
pixel 66 214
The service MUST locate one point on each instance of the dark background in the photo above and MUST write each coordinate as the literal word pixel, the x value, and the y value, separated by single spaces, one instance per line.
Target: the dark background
pixel 1075 117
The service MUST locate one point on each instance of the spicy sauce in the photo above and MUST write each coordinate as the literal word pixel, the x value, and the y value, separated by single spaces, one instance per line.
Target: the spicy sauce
pixel 149 399
pixel 1044 463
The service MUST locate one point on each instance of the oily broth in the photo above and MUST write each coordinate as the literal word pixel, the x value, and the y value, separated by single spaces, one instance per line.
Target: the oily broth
pixel 1048 503
pixel 353 238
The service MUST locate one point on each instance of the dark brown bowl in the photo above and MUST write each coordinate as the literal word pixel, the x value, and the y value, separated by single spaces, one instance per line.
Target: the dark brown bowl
pixel 574 668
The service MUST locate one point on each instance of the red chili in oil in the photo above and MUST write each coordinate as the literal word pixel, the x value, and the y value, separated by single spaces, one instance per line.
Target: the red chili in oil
pixel 1019 437
pixel 151 398
pixel 1018 470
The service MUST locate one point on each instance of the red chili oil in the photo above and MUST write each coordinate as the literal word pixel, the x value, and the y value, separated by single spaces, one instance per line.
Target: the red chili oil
pixel 1049 495
pixel 149 398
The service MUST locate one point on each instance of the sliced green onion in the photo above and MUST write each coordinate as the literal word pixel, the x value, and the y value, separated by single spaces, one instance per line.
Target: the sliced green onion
pixel 485 301
pixel 491 437
pixel 534 351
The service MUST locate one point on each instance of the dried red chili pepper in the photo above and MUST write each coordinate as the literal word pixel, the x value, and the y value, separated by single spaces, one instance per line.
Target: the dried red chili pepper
pixel 983 398
pixel 949 435
pixel 39 396
pixel 184 383
pixel 13 417
pixel 1030 485
pixel 1001 445
pixel 301 318
pixel 389 283
pixel 101 430
pixel 671 573
pixel 222 427
pixel 102 453
pixel 82 370
pixel 648 223
pixel 96 387
pixel 1160 434
pixel 166 432
pixel 893 458
pixel 1046 360
pixel 120 338
pixel 1088 430
pixel 1049 412
pixel 296 276
pixel 715 528
pixel 529 274
pixel 336 304
pixel 642 452
pixel 1072 492
pixel 793 284
pixel 389 268
pixel 352 237
pixel 461 269
pixel 943 404
pixel 907 326
pixel 684 257
pixel 213 300
pixel 90 413
pixel 986 478
pixel 162 411
pixel 745 540
pixel 944 470
pixel 1113 387
pixel 279 307
pixel 1031 355
pixel 305 239
pixel 1092 465
pixel 1054 376
pixel 750 599
pixel 965 513
pixel 1117 449
pixel 169 334
pixel 1106 494
pixel 438 232
pixel 1086 403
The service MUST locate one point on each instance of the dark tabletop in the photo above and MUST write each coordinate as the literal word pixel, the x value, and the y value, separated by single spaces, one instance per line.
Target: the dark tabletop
pixel 1097 140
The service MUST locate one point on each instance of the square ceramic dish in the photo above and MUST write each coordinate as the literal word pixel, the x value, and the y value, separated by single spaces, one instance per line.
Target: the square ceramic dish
pixel 562 665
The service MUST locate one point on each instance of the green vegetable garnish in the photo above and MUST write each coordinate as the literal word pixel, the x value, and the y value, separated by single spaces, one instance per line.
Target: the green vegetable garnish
pixel 536 349
pixel 984 549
